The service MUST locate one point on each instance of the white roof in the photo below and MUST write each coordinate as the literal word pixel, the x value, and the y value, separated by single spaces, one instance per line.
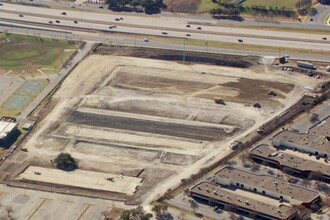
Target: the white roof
pixel 6 128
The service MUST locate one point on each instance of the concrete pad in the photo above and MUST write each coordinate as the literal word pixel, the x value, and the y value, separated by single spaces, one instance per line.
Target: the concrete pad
pixel 83 179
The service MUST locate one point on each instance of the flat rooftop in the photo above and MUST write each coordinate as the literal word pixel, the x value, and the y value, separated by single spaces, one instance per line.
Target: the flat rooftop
pixel 268 183
pixel 317 138
pixel 290 160
pixel 6 128
pixel 215 192
pixel 83 179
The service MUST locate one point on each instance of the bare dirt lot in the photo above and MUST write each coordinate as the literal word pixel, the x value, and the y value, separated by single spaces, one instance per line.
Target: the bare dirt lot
pixel 153 119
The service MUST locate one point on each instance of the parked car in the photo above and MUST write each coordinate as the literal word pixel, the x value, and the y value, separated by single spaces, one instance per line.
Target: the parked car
pixel 146 40
pixel 76 22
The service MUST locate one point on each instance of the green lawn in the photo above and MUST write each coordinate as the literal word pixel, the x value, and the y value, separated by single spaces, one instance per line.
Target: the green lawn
pixel 273 3
pixel 206 5
pixel 29 53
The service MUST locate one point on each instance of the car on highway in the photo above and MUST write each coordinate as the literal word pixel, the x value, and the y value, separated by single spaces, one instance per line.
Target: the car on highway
pixel 76 22
pixel 21 16
pixel 1 4
pixel 188 35
pixel 57 21
pixel 72 6
pixel 324 38
pixel 64 13
pixel 101 7
pixel 117 19
pixel 240 40
pixel 146 40
pixel 188 25
pixel 50 22
pixel 164 32
pixel 199 28
pixel 121 18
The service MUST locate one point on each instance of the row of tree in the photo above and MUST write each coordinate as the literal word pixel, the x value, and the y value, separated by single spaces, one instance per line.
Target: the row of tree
pixel 139 213
pixel 147 5
pixel 255 10
pixel 225 11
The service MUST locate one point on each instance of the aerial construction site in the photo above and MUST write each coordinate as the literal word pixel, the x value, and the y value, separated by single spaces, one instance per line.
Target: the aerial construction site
pixel 138 126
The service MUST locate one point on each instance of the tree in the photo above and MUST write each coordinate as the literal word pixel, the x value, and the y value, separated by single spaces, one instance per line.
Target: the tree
pixel 234 12
pixel 305 183
pixel 193 204
pixel 314 118
pixel 255 167
pixel 65 161
pixel 160 209
pixel 106 215
pixel 135 214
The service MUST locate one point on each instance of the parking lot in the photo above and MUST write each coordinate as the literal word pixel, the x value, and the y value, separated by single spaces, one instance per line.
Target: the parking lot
pixel 37 205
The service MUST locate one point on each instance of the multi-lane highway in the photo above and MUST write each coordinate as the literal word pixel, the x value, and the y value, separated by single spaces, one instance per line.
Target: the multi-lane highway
pixel 156 25
pixel 80 21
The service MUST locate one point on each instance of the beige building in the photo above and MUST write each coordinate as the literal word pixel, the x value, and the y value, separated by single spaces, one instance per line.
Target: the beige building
pixel 266 185
pixel 316 141
pixel 290 163
pixel 215 195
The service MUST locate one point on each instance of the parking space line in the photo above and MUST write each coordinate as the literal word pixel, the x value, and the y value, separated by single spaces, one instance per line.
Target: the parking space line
pixel 86 208
pixel 36 209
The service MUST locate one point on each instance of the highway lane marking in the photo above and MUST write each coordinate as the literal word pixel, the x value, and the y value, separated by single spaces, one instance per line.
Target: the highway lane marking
pixel 147 27
pixel 36 209
pixel 86 208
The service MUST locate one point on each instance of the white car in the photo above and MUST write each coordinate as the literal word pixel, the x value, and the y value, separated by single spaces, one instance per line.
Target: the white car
pixel 146 40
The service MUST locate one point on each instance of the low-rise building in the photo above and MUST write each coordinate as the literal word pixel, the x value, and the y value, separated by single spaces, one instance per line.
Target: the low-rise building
pixel 8 132
pixel 215 195
pixel 290 163
pixel 316 141
pixel 266 185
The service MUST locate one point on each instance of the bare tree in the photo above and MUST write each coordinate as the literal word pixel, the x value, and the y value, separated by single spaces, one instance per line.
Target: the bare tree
pixel 106 215
pixel 193 204
pixel 314 118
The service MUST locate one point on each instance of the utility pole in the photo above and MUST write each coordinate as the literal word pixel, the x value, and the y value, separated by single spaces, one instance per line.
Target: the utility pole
pixel 184 49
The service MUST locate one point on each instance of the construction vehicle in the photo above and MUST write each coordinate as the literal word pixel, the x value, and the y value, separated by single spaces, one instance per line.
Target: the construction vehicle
pixel 219 101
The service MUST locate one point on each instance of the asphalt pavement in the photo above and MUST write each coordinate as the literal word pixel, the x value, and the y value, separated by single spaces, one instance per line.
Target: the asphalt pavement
pixel 200 17
pixel 136 41
pixel 322 13
pixel 170 27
